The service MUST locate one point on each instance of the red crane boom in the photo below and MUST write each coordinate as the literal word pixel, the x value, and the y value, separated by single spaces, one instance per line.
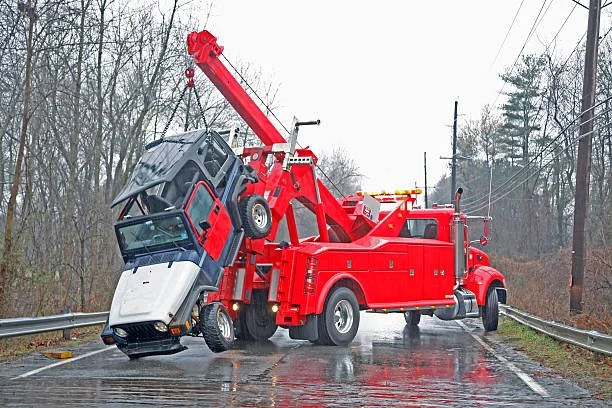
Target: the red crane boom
pixel 205 50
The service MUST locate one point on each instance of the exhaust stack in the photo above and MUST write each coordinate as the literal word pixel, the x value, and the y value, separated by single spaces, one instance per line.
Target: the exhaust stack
pixel 458 237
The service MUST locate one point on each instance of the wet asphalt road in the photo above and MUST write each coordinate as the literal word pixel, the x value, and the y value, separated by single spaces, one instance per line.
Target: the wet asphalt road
pixel 439 364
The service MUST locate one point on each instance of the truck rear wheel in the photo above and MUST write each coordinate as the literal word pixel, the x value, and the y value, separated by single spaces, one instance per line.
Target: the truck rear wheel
pixel 259 320
pixel 412 317
pixel 340 318
pixel 240 328
pixel 255 215
pixel 490 311
pixel 217 327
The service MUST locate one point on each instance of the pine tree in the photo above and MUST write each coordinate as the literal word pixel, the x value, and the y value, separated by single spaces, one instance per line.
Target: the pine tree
pixel 521 111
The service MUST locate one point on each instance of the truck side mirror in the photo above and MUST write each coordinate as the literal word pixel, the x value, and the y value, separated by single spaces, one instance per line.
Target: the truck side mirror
pixel 204 224
pixel 484 240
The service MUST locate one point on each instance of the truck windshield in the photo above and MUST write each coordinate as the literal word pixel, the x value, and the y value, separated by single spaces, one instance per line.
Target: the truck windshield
pixel 152 234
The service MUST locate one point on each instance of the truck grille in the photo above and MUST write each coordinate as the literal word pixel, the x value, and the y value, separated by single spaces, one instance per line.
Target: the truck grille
pixel 143 331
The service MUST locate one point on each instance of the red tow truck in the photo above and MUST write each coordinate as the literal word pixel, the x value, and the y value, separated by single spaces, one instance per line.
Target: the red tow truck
pixel 389 259
pixel 373 252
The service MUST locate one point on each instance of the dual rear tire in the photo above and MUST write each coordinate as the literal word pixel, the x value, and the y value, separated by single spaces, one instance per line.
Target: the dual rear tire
pixel 256 321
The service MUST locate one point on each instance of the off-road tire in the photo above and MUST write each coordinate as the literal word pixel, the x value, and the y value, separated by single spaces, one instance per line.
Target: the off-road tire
pixel 217 327
pixel 412 317
pixel 259 321
pixel 255 215
pixel 490 311
pixel 339 322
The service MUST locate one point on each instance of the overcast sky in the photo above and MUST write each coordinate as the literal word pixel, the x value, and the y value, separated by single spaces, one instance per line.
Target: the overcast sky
pixel 383 75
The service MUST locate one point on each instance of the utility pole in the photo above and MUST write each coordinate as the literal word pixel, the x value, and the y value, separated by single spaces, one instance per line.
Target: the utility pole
pixel 583 166
pixel 425 168
pixel 454 157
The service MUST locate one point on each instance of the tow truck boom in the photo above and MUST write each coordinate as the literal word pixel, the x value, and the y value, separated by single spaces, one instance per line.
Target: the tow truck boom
pixel 300 184
pixel 205 50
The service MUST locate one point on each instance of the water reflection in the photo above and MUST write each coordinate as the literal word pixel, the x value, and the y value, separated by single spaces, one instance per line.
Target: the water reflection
pixel 341 367
pixel 411 334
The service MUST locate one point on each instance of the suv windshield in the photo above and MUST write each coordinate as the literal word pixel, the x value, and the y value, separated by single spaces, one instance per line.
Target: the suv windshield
pixel 152 233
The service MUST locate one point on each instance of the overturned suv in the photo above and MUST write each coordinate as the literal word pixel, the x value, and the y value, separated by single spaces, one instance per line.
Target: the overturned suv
pixel 182 220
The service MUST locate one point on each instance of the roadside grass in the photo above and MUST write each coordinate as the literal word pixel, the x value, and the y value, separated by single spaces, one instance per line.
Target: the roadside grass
pixel 16 347
pixel 592 371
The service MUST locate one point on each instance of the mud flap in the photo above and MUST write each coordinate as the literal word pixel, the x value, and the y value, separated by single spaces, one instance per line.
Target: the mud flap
pixel 309 331
pixel 501 295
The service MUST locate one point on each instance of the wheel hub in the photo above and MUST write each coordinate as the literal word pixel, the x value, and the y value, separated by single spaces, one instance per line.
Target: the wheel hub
pixel 224 325
pixel 343 316
pixel 260 217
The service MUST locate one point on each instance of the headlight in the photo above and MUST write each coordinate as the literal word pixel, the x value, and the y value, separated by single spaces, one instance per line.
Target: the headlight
pixel 160 326
pixel 120 332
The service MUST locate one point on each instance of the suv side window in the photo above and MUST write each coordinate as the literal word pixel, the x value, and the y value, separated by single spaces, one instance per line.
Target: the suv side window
pixel 200 207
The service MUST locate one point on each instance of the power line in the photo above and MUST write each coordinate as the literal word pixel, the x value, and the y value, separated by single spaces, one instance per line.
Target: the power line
pixel 479 201
pixel 580 4
pixel 554 140
pixel 561 67
pixel 561 28
pixel 507 33
pixel 530 175
pixel 572 53
pixel 243 79
pixel 535 24
pixel 277 119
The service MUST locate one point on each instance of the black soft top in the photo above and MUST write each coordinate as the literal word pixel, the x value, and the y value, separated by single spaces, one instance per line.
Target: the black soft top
pixel 166 157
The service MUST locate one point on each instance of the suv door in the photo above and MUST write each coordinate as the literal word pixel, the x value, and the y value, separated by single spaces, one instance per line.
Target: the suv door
pixel 209 219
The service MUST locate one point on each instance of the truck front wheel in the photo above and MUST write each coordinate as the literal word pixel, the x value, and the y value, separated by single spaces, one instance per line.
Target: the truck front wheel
pixel 217 327
pixel 340 318
pixel 490 311
pixel 412 317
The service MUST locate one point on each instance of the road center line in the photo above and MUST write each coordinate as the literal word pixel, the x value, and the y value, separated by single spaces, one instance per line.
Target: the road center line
pixel 531 383
pixel 70 360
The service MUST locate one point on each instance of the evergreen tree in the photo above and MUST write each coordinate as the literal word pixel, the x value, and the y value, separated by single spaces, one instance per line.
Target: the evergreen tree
pixel 521 111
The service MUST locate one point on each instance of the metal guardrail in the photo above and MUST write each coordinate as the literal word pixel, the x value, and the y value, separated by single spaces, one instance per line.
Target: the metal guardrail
pixel 31 325
pixel 589 339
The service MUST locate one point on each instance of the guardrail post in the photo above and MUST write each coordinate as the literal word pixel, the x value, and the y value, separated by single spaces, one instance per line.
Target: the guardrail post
pixel 68 331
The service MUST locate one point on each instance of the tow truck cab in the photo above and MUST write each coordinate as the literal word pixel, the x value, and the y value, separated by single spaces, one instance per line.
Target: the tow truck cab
pixel 474 271
pixel 178 227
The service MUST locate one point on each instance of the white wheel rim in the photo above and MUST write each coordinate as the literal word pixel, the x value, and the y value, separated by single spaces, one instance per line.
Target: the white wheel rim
pixel 224 324
pixel 343 316
pixel 260 216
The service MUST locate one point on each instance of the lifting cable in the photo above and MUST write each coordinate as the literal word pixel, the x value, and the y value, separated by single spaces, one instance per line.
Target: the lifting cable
pixel 189 74
pixel 243 79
